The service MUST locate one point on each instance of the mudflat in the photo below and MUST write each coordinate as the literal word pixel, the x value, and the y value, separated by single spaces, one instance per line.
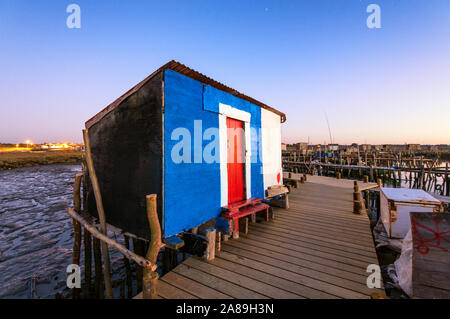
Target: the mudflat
pixel 10 160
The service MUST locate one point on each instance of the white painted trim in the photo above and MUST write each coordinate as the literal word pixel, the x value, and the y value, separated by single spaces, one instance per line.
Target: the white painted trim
pixel 248 164
pixel 234 113
pixel 223 160
pixel 231 112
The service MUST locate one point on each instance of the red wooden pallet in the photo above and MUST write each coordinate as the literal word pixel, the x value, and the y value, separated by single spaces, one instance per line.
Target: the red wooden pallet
pixel 243 208
pixel 236 206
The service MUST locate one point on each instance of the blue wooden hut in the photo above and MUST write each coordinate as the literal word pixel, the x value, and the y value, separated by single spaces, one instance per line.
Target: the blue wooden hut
pixel 196 143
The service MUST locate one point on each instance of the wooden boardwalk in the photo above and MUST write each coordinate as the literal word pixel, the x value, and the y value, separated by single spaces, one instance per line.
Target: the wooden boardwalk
pixel 316 249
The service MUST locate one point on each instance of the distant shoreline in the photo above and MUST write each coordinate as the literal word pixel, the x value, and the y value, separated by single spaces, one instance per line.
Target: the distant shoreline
pixel 11 160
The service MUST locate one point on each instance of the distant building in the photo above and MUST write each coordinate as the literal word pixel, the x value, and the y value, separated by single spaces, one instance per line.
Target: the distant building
pixel 365 147
pixel 283 147
pixel 413 147
pixel 291 148
pixel 333 147
pixel 301 148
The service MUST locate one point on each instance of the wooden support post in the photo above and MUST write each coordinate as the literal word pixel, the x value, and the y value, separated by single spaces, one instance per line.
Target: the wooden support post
pixel 87 240
pixel 129 278
pixel 138 250
pixel 357 205
pixel 210 252
pixel 218 241
pixel 150 277
pixel 243 225
pixel 286 201
pixel 380 183
pixel 305 178
pixel 150 285
pixel 99 289
pixel 167 263
pixel 297 182
pixel 422 175
pixel 101 213
pixel 368 200
pixel 266 215
pixel 338 175
pixel 253 218
pixel 366 179
pixel 271 213
pixel 122 290
pixel 447 181
pixel 76 229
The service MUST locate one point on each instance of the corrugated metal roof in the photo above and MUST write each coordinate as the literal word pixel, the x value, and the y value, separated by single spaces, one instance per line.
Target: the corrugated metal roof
pixel 182 69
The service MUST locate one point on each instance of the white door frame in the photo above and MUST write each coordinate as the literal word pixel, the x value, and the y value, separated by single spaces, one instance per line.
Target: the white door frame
pixel 231 112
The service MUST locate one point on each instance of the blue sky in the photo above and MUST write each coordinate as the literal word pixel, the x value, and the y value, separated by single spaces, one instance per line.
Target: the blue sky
pixel 305 58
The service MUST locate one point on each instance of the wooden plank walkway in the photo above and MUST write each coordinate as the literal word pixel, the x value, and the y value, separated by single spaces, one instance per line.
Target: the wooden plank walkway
pixel 316 249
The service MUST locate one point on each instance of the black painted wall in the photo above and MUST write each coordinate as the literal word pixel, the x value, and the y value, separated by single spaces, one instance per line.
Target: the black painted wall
pixel 126 147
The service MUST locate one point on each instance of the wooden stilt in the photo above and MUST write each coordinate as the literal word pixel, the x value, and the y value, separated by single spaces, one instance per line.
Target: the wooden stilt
pixel 368 201
pixel 138 250
pixel 167 264
pixel 76 229
pixel 150 277
pixel 101 214
pixel 87 240
pixel 122 290
pixel 99 289
pixel 210 252
pixel 129 278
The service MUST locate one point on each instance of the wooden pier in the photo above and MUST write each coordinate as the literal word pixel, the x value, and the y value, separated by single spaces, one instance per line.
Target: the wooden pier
pixel 315 249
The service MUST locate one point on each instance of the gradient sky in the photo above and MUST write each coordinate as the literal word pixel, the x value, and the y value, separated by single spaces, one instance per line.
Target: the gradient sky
pixel 305 58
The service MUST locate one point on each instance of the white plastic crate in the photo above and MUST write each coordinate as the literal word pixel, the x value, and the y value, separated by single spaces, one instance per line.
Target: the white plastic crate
pixel 397 203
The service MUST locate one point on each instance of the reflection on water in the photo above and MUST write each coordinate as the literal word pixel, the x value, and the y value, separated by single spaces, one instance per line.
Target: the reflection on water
pixel 36 234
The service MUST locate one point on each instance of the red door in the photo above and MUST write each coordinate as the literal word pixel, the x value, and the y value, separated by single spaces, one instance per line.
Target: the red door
pixel 236 159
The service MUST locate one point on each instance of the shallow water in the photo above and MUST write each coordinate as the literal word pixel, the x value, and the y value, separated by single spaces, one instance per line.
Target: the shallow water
pixel 36 234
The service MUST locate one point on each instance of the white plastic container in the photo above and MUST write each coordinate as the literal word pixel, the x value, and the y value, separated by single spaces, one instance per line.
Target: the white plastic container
pixel 397 203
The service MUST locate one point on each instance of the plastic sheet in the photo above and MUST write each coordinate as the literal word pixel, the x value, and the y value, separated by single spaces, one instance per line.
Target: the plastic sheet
pixel 403 265
pixel 382 238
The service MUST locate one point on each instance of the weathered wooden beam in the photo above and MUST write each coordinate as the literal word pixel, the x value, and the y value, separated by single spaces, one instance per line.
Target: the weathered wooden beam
pixel 97 234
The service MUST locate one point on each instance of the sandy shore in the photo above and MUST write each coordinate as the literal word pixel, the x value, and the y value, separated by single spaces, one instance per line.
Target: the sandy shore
pixel 10 160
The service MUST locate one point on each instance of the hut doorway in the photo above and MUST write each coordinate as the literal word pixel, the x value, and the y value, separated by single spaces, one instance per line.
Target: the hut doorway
pixel 235 160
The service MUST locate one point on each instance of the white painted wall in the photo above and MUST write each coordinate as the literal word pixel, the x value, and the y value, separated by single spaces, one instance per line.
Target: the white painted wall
pixel 271 147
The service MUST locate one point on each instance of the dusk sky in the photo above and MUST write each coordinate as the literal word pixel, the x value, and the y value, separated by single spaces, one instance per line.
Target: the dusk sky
pixel 304 58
